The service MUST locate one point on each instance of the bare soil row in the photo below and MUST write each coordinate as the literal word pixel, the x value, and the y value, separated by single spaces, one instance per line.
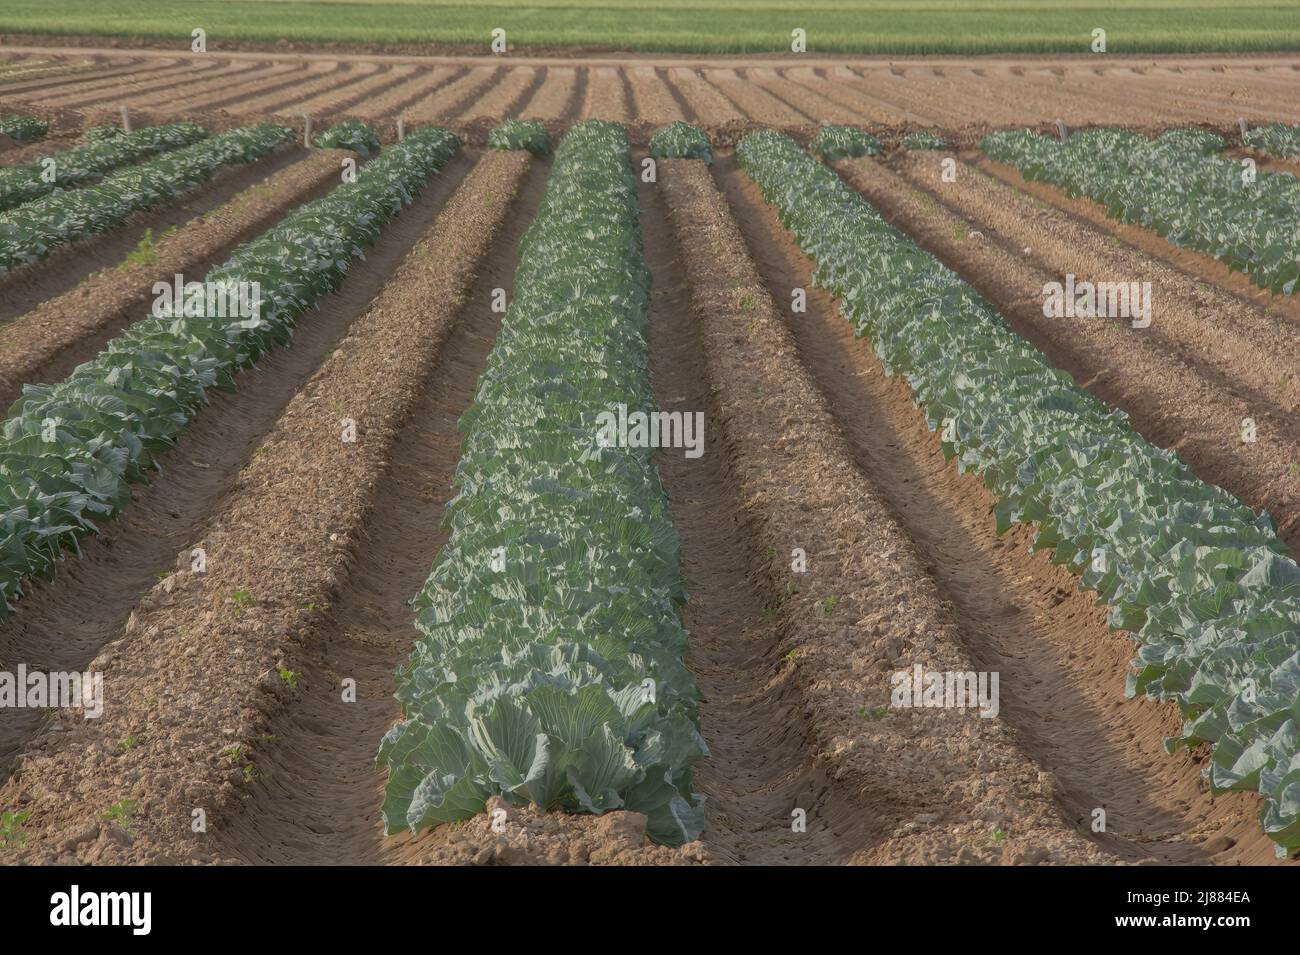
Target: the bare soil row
pixel 963 97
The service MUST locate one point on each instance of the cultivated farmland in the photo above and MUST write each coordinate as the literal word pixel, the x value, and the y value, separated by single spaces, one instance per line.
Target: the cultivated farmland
pixel 669 460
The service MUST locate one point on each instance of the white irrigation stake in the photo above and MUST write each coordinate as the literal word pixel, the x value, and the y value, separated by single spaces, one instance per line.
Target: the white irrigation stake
pixel 1061 130
pixel 126 120
pixel 1241 125
pixel 401 130
pixel 306 130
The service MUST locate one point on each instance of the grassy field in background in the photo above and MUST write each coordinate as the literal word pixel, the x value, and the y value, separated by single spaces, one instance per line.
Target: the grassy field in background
pixel 701 26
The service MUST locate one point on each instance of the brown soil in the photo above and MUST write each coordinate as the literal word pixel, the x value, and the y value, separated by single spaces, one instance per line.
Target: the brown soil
pixel 763 761
pixel 754 101
pixel 1062 668
pixel 556 98
pixel 702 101
pixel 37 68
pixel 52 81
pixel 63 625
pixel 118 91
pixel 166 86
pixel 458 95
pixel 415 87
pixel 124 72
pixel 31 152
pixel 908 92
pixel 339 100
pixel 818 108
pixel 208 91
pixel 319 796
pixel 652 99
pixel 797 711
pixel 47 342
pixel 275 89
pixel 835 85
pixel 420 92
pixel 504 99
pixel 607 98
pixel 966 97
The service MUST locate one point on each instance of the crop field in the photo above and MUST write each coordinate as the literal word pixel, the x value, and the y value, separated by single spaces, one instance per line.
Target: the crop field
pixel 647 460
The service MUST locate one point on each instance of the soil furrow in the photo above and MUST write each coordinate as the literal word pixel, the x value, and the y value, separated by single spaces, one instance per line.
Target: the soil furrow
pixel 817 108
pixel 63 625
pixel 27 286
pixel 653 103
pixel 46 343
pixel 865 111
pixel 605 96
pixel 505 98
pixel 299 98
pixel 39 69
pixel 683 105
pixel 1202 103
pixel 451 100
pixel 392 101
pixel 894 89
pixel 335 102
pixel 278 99
pixel 91 94
pixel 804 720
pixel 554 97
pixel 397 103
pixel 1062 670
pixel 704 103
pixel 573 112
pixel 857 91
pixel 123 72
pixel 258 90
pixel 174 93
pixel 753 100
pixel 427 334
pixel 176 98
pixel 763 756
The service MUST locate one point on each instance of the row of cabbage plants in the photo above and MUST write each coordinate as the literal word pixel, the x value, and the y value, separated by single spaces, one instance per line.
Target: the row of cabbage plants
pixel 35 229
pixel 23 129
pixel 69 452
pixel 1177 185
pixel 1200 580
pixel 1274 139
pixel 548 665
pixel 82 164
